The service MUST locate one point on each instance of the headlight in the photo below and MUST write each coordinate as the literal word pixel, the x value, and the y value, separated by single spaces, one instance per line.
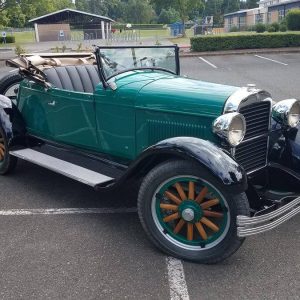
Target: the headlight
pixel 287 112
pixel 231 126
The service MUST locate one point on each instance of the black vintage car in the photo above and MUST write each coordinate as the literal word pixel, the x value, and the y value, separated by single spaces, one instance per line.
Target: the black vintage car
pixel 213 163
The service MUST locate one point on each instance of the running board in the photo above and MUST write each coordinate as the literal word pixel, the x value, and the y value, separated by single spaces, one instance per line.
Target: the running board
pixel 65 168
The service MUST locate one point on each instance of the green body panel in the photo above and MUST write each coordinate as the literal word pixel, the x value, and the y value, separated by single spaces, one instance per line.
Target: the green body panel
pixel 147 107
pixel 71 120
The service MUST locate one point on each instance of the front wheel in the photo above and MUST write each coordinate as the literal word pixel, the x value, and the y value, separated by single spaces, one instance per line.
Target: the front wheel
pixel 189 214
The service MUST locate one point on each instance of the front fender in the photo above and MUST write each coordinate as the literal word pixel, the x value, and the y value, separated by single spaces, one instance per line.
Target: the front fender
pixel 201 152
pixel 12 122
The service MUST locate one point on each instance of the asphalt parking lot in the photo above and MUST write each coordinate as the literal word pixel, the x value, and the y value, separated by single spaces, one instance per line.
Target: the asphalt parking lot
pixel 72 254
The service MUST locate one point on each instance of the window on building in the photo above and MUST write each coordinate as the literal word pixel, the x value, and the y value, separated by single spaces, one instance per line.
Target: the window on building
pixel 242 21
pixel 269 17
pixel 258 18
pixel 280 14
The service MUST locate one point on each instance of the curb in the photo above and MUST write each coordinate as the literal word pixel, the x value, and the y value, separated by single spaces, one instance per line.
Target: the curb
pixel 240 52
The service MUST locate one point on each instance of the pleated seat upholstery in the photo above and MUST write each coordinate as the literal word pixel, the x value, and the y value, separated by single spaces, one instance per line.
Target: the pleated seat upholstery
pixel 82 78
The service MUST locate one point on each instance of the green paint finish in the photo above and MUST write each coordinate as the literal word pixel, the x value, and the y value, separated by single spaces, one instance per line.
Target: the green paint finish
pixel 181 236
pixel 184 96
pixel 116 113
pixel 147 107
pixel 33 104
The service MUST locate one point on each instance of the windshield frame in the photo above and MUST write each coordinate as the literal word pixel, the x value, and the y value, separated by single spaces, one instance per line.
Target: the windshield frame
pixel 105 79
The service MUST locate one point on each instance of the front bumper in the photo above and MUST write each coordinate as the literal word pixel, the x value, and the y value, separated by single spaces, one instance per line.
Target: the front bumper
pixel 253 225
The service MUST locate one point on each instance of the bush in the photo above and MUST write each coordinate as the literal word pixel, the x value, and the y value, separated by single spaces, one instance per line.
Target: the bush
pixel 282 28
pixel 276 26
pixel 9 39
pixel 293 19
pixel 19 50
pixel 260 27
pixel 271 28
pixel 234 29
pixel 245 41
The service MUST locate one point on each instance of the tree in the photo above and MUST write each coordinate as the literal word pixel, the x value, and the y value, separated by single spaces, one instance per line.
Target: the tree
pixel 184 7
pixel 139 12
pixel 231 6
pixel 168 16
pixel 251 3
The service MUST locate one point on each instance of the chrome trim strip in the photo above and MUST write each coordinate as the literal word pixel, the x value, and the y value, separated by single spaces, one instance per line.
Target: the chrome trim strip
pixel 251 225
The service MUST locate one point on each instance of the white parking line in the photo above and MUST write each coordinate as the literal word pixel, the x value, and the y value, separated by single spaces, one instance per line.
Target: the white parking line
pixel 66 211
pixel 209 63
pixel 177 283
pixel 273 60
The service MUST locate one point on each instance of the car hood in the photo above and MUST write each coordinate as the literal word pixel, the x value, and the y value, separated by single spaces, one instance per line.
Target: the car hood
pixel 178 94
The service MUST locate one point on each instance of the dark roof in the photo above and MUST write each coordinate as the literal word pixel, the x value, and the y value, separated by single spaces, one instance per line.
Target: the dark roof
pixel 70 16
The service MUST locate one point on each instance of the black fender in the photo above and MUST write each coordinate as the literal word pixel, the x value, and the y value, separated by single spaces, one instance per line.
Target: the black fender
pixel 199 151
pixel 12 123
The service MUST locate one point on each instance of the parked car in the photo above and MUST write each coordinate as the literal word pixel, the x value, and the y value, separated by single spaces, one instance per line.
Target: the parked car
pixel 214 163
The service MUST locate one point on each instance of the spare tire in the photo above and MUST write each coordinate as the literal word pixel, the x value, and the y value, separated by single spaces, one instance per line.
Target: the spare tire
pixel 9 85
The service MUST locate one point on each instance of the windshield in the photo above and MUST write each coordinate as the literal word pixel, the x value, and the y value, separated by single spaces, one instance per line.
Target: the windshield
pixel 121 59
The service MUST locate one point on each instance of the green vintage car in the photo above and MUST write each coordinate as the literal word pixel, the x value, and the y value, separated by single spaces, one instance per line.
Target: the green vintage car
pixel 204 155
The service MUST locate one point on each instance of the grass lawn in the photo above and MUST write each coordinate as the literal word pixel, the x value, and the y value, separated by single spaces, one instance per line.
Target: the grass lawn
pixel 21 38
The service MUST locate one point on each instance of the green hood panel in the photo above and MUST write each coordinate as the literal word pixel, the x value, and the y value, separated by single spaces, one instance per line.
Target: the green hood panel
pixel 183 95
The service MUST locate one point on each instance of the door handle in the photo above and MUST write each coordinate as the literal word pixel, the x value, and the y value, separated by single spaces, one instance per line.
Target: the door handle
pixel 52 103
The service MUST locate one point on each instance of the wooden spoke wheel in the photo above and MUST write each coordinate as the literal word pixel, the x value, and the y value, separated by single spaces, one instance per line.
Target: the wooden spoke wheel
pixel 191 212
pixel 188 213
pixel 2 148
pixel 9 85
pixel 7 162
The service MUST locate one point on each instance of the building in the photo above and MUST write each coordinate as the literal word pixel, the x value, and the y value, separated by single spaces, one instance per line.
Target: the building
pixel 57 26
pixel 268 11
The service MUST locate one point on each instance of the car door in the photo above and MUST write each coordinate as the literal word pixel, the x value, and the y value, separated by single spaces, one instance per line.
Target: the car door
pixel 34 103
pixel 74 118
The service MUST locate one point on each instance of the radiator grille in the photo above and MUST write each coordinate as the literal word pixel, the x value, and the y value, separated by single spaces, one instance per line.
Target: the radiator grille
pixel 252 153
pixel 257 117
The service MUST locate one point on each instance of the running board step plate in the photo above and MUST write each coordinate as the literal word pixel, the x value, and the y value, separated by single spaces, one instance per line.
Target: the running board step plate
pixel 67 169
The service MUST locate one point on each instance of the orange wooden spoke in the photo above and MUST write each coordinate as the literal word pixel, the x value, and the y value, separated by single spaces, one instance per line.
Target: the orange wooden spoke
pixel 210 224
pixel 1 152
pixel 201 195
pixel 179 226
pixel 172 197
pixel 192 190
pixel 210 203
pixel 169 206
pixel 190 231
pixel 2 146
pixel 171 217
pixel 201 230
pixel 213 214
pixel 180 191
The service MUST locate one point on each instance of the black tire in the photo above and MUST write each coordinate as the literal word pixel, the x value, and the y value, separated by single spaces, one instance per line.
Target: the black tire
pixel 223 247
pixel 7 162
pixel 8 83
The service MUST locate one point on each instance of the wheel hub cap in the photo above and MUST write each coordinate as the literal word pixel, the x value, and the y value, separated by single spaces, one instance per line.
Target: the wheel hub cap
pixel 188 214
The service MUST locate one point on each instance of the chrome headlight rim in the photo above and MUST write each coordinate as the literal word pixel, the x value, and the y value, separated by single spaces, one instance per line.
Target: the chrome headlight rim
pixel 225 127
pixel 287 112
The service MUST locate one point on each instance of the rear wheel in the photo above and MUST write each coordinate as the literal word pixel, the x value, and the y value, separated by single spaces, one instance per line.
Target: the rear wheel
pixel 9 85
pixel 7 162
pixel 189 214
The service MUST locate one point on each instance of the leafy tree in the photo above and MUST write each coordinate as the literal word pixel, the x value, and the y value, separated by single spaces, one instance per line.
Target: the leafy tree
pixel 184 7
pixel 168 16
pixel 293 19
pixel 251 3
pixel 139 12
pixel 231 6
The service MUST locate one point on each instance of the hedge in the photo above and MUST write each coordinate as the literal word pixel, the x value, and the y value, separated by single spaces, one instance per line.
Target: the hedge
pixel 246 41
pixel 9 39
